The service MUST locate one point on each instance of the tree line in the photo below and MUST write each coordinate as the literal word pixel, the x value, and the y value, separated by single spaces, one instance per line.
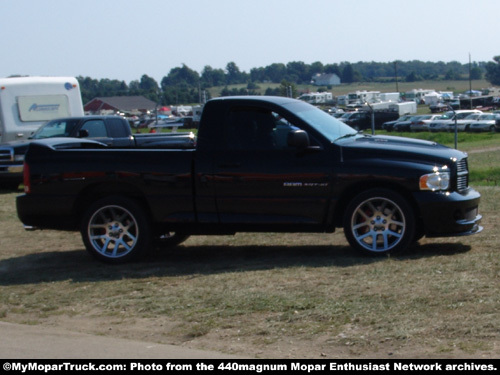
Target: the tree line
pixel 185 85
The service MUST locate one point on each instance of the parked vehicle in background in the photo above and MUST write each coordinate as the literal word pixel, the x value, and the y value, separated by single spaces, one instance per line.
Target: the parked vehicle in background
pixel 486 123
pixel 464 124
pixel 113 131
pixel 26 103
pixel 404 108
pixel 362 120
pixel 404 126
pixel 442 122
pixel 439 107
pixel 422 123
pixel 389 125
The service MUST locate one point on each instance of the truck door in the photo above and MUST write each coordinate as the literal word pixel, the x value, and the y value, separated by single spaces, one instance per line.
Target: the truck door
pixel 259 179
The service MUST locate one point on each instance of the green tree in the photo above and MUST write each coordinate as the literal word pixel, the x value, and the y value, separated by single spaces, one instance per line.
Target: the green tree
pixel 233 74
pixel 275 72
pixel 347 74
pixel 413 77
pixel 476 73
pixel 149 88
pixel 288 89
pixel 298 72
pixel 179 76
pixel 212 77
pixel 493 71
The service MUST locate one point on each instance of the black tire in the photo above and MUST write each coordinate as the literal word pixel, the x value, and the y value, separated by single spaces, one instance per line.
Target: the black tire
pixel 379 221
pixel 170 239
pixel 116 230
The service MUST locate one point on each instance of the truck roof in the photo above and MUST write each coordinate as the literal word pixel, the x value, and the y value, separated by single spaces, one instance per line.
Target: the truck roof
pixel 280 100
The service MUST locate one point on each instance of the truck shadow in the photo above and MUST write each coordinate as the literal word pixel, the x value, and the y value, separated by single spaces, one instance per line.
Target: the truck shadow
pixel 78 266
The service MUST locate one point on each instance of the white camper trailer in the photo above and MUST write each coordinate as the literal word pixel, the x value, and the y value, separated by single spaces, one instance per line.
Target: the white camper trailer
pixel 405 108
pixel 28 102
pixel 317 97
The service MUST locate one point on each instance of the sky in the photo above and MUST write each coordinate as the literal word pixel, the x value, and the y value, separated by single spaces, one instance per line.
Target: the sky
pixel 125 39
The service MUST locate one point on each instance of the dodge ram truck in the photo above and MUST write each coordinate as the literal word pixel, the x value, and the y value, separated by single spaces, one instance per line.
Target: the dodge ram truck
pixel 267 164
pixel 114 131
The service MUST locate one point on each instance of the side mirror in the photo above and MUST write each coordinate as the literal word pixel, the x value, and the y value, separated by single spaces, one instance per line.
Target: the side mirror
pixel 298 139
pixel 83 133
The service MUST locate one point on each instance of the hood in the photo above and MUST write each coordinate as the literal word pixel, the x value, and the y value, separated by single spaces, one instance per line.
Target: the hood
pixel 19 143
pixel 19 147
pixel 397 148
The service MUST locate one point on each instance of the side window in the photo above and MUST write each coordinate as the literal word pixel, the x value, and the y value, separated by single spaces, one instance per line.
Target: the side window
pixel 117 128
pixel 96 128
pixel 252 128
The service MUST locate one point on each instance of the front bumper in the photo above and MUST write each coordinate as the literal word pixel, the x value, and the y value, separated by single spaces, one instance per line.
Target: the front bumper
pixel 449 214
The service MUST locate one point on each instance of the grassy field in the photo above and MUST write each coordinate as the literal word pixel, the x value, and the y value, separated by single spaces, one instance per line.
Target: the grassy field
pixel 271 295
pixel 343 89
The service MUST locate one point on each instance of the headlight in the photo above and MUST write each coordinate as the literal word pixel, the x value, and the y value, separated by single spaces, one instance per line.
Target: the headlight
pixel 435 181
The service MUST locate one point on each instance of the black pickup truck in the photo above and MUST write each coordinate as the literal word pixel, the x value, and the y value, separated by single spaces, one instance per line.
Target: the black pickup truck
pixel 113 131
pixel 260 164
pixel 362 120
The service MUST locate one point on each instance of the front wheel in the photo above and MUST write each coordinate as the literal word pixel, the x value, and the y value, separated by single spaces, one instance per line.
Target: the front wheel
pixel 379 221
pixel 116 230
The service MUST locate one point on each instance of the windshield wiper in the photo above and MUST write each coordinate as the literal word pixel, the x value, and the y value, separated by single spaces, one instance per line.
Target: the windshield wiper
pixel 348 135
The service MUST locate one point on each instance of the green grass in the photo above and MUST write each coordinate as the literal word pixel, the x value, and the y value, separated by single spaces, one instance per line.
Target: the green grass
pixel 343 89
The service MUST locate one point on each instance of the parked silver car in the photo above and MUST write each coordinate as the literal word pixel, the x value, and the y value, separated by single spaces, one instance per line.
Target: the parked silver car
pixel 464 124
pixel 422 123
pixel 486 123
pixel 442 122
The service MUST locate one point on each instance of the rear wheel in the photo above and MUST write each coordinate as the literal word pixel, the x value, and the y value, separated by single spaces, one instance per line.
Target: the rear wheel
pixel 116 230
pixel 379 221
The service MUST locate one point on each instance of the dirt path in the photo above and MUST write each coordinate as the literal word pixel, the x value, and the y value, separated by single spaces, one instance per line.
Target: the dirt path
pixel 490 149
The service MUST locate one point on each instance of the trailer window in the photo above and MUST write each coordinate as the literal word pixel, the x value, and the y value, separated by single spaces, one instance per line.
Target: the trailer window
pixel 42 107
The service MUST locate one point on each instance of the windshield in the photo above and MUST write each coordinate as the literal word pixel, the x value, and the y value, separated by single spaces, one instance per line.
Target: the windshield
pixel 347 115
pixel 55 128
pixel 446 116
pixel 327 125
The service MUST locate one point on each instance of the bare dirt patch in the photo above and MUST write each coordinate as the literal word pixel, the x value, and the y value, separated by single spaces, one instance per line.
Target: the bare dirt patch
pixel 265 295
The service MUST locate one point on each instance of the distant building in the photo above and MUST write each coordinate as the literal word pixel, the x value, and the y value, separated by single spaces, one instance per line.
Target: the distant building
pixel 131 105
pixel 325 79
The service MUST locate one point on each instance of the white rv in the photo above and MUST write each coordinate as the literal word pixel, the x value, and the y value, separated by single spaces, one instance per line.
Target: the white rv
pixel 28 102
pixel 417 95
pixel 405 108
pixel 362 97
pixel 317 97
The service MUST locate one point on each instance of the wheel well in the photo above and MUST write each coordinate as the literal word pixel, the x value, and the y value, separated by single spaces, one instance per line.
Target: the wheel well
pixel 99 191
pixel 353 190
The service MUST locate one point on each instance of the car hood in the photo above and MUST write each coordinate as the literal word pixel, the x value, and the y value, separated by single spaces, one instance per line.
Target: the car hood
pixel 16 144
pixel 402 148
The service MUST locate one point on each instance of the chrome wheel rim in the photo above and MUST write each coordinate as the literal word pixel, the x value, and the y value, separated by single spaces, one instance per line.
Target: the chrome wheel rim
pixel 378 224
pixel 113 231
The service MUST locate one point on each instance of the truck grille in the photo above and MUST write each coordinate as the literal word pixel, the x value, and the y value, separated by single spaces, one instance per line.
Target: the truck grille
pixel 462 175
pixel 6 154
